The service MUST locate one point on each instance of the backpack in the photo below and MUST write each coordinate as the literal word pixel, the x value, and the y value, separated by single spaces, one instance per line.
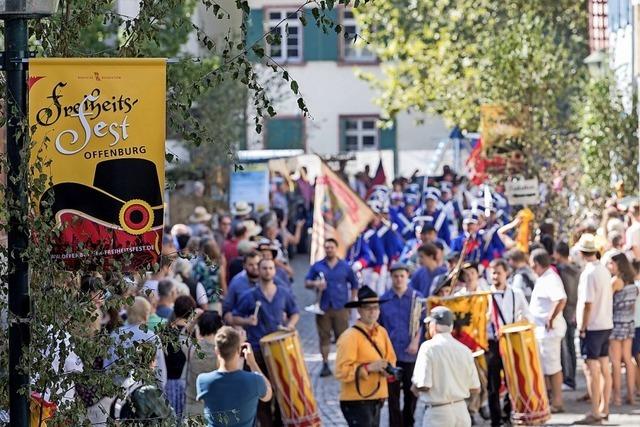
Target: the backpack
pixel 528 281
pixel 144 402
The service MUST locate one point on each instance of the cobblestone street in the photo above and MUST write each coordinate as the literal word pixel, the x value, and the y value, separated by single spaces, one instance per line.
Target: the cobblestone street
pixel 327 389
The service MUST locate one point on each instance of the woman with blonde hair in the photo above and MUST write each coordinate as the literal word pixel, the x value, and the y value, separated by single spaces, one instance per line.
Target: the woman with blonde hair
pixel 625 293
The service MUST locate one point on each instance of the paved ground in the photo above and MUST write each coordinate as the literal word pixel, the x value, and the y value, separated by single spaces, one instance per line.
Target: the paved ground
pixel 327 389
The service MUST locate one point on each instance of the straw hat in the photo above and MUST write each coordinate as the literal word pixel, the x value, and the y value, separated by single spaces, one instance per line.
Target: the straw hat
pixel 200 214
pixel 241 208
pixel 587 243
pixel 253 229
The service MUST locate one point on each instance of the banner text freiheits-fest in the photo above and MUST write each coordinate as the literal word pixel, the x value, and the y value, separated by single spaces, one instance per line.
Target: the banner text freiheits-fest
pixel 101 122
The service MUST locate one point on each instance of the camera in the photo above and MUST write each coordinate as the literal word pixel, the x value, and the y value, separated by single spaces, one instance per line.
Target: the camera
pixel 394 371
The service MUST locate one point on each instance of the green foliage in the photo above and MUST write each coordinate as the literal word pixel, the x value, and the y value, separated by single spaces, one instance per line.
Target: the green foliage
pixel 609 137
pixel 206 108
pixel 451 57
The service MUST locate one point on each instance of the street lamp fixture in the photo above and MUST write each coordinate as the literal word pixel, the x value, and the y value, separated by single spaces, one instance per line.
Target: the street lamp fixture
pixel 27 8
pixel 596 63
pixel 16 13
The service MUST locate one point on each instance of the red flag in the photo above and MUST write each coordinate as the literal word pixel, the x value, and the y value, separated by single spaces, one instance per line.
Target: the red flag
pixel 380 178
pixel 477 164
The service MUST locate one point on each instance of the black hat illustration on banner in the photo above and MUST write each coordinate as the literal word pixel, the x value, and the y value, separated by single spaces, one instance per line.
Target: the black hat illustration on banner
pixel 125 194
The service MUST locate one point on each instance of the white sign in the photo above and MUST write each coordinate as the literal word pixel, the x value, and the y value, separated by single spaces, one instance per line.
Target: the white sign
pixel 251 185
pixel 524 192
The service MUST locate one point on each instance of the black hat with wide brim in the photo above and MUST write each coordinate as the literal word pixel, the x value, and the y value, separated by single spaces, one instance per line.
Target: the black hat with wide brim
pixel 125 194
pixel 366 296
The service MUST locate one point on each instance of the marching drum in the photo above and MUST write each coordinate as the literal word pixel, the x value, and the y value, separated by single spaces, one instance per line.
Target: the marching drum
pixel 523 372
pixel 288 373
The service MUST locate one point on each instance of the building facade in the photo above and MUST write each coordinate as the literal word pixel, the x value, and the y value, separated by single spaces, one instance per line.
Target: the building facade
pixel 344 114
pixel 622 45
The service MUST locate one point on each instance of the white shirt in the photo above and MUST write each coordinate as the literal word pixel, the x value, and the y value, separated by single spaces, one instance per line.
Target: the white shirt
pixel 63 392
pixel 446 367
pixel 547 291
pixel 513 306
pixel 632 236
pixel 595 287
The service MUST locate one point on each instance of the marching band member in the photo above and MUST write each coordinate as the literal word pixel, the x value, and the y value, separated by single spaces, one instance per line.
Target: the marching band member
pixel 431 200
pixel 482 246
pixel 507 305
pixel 337 284
pixel 395 317
pixel 404 217
pixel 261 311
pixel 422 278
pixel 375 271
pixel 473 252
pixel 452 208
pixel 383 243
pixel 424 233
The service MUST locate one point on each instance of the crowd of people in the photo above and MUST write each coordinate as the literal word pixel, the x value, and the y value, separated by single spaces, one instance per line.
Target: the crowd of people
pixel 465 242
pixel 225 281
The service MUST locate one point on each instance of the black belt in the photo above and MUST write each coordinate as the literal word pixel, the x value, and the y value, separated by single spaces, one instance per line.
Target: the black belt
pixel 435 405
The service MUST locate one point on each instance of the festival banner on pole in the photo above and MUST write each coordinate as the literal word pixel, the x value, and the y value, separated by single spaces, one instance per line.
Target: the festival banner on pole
pixel 470 317
pixel 100 123
pixel 338 213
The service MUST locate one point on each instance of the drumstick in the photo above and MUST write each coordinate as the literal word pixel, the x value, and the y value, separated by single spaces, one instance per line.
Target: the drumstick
pixel 257 309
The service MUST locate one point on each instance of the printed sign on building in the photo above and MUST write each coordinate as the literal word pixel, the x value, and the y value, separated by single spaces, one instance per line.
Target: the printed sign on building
pixel 101 125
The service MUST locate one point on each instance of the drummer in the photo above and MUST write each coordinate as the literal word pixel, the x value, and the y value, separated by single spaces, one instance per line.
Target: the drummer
pixel 337 283
pixel 508 305
pixel 276 304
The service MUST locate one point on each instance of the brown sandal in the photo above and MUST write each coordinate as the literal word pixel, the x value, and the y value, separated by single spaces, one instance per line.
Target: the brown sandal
pixel 584 398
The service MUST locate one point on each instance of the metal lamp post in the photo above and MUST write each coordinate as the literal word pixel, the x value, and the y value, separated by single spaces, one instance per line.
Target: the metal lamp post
pixel 15 14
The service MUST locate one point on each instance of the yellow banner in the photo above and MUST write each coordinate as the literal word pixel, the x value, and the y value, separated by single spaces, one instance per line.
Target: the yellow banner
pixel 499 125
pixel 338 213
pixel 470 317
pixel 101 124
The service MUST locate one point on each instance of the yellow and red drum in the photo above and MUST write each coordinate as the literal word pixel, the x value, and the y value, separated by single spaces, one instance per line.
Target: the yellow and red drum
pixel 41 411
pixel 288 373
pixel 523 371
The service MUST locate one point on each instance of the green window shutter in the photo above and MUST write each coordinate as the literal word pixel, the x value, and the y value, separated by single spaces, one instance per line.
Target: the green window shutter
pixel 388 138
pixel 343 136
pixel 255 30
pixel 285 133
pixel 317 45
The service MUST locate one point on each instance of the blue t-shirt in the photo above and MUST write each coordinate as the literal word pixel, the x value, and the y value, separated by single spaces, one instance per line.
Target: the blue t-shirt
pixel 270 315
pixel 340 279
pixel 230 398
pixel 422 279
pixel 395 317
